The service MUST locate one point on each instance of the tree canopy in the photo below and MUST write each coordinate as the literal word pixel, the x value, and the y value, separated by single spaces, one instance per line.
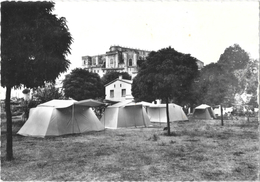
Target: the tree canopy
pixel 214 85
pixel 34 44
pixel 167 75
pixel 34 47
pixel 110 76
pixel 49 92
pixel 233 74
pixel 233 58
pixel 81 84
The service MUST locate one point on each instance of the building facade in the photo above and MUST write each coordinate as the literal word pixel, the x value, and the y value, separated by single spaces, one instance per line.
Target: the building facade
pixel 118 90
pixel 120 59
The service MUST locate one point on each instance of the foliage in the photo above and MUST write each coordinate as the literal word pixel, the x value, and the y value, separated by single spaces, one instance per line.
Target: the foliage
pixel 233 74
pixel 27 105
pixel 81 84
pixel 233 58
pixel 34 45
pixel 26 91
pixel 47 93
pixel 214 86
pixel 248 81
pixel 110 76
pixel 166 74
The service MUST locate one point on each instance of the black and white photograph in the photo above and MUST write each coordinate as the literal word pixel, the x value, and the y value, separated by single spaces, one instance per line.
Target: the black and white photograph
pixel 144 90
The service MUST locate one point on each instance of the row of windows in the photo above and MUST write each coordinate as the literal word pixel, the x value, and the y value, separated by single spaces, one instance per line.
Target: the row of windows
pixel 123 93
pixel 96 71
pixel 115 85
pixel 130 62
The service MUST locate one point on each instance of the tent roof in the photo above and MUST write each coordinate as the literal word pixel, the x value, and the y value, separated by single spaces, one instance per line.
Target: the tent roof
pixel 139 104
pixel 163 105
pixel 67 103
pixel 121 104
pixel 202 106
pixel 90 103
pixel 58 103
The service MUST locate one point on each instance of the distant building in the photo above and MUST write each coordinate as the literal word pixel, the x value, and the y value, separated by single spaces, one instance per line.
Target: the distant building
pixel 119 59
pixel 118 90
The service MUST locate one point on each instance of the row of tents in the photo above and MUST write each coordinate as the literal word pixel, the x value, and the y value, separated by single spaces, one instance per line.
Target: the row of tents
pixel 62 117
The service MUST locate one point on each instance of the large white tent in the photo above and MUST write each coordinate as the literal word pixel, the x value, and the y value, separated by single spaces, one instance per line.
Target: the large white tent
pixel 61 117
pixel 125 114
pixel 203 111
pixel 157 113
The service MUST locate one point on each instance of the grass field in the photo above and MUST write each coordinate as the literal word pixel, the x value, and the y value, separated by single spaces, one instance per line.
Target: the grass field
pixel 197 150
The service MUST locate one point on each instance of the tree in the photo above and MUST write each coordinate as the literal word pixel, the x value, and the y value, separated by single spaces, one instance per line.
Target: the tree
pixel 81 84
pixel 233 58
pixel 47 93
pixel 165 74
pixel 34 47
pixel 110 76
pixel 215 86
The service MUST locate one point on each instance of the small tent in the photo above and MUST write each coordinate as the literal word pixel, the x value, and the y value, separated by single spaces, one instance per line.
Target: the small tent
pixel 125 114
pixel 61 117
pixel 203 112
pixel 157 113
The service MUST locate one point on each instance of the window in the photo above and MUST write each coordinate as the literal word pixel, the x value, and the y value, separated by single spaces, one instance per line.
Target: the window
pixel 111 63
pixel 130 62
pixel 123 91
pixel 111 93
pixel 120 85
pixel 114 85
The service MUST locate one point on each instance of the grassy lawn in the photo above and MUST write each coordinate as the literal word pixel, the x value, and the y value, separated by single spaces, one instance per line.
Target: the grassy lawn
pixel 197 150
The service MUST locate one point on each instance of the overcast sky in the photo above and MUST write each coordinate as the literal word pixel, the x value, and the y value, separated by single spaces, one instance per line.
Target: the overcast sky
pixel 202 29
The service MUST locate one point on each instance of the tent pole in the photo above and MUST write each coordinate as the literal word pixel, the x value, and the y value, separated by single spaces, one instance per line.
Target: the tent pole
pixel 160 116
pixel 104 120
pixel 72 119
pixel 143 116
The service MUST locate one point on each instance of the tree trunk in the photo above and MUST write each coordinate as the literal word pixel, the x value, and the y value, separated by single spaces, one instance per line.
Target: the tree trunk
pixel 168 119
pixel 9 136
pixel 247 110
pixel 221 111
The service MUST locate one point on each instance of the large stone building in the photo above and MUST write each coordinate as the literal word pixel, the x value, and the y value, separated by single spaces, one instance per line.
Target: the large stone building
pixel 120 59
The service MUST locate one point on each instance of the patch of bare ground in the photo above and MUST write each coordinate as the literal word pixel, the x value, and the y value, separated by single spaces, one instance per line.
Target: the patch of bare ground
pixel 196 150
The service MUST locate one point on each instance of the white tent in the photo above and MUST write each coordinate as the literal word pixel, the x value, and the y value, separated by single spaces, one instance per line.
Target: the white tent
pixel 203 111
pixel 125 114
pixel 61 117
pixel 157 113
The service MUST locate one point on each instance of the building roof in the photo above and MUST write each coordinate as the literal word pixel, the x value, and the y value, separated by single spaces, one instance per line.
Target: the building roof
pixel 122 80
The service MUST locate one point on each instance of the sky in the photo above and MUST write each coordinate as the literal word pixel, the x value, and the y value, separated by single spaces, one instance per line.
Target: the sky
pixel 202 29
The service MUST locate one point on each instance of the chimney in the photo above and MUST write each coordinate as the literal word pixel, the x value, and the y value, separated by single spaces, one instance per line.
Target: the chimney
pixel 120 77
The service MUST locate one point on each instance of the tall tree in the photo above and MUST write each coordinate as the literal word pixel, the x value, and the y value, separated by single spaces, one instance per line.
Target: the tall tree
pixel 233 58
pixel 166 74
pixel 81 84
pixel 215 86
pixel 34 47
pixel 110 76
